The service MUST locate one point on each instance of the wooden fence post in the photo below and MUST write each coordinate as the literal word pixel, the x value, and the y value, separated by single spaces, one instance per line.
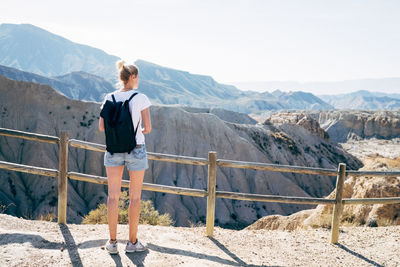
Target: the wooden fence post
pixel 62 178
pixel 212 181
pixel 338 207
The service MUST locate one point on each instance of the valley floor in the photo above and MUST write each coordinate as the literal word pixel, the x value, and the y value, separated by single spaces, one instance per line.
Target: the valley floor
pixel 40 243
pixel 373 148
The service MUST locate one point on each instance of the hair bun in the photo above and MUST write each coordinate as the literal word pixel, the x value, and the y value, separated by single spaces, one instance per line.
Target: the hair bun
pixel 120 64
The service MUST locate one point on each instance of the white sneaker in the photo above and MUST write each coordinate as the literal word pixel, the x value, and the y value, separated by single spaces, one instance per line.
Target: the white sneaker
pixel 112 248
pixel 137 247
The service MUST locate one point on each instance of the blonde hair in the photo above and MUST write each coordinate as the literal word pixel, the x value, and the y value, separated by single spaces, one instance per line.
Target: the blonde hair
pixel 125 71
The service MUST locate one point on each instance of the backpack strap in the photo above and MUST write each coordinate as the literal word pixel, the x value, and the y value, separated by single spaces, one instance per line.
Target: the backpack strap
pixel 137 127
pixel 135 131
pixel 132 96
pixel 113 99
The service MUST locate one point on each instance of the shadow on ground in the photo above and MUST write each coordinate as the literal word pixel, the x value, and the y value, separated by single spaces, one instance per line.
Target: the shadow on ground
pixel 236 261
pixel 358 255
pixel 36 240
pixel 71 246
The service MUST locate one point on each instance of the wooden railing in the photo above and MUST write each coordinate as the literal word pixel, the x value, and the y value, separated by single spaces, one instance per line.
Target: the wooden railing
pixel 212 162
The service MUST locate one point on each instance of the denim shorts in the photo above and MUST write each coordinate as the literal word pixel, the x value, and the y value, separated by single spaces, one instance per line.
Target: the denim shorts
pixel 136 160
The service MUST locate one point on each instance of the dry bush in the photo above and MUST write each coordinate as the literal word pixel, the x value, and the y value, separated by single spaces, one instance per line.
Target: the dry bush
pixel 50 217
pixel 148 215
pixel 3 208
pixel 284 139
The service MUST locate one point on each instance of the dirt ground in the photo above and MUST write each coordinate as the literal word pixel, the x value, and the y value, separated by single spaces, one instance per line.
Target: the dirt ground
pixel 41 243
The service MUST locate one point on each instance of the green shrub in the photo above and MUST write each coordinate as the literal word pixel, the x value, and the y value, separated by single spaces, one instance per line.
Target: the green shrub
pixel 148 215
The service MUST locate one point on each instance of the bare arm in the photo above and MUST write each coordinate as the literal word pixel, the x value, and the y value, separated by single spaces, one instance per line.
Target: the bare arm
pixel 101 124
pixel 146 121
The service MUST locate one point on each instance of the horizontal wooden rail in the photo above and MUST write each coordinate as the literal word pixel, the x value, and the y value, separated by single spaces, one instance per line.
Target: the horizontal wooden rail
pixel 368 201
pixel 372 173
pixel 275 167
pixel 211 193
pixel 150 155
pixel 273 198
pixel 28 169
pixel 146 186
pixel 87 145
pixel 235 164
pixel 177 159
pixel 29 136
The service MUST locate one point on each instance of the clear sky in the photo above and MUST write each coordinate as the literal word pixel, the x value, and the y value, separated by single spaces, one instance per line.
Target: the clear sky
pixel 232 40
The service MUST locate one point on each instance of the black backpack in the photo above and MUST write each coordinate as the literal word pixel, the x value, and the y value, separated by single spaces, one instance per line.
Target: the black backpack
pixel 119 130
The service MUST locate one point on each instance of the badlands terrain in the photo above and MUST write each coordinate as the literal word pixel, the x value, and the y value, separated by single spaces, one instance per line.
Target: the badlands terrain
pixel 294 242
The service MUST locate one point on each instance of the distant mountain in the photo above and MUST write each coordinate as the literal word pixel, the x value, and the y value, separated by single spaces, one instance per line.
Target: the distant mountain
pixel 87 86
pixel 76 85
pixel 32 49
pixel 364 100
pixel 302 100
pixel 384 85
pixel 29 48
pixel 193 85
pixel 170 86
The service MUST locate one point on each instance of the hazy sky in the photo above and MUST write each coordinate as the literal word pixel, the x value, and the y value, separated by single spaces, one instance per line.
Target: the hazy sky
pixel 260 40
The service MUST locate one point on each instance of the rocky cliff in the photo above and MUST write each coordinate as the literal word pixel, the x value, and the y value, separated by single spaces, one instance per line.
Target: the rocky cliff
pixel 300 119
pixel 40 109
pixel 343 125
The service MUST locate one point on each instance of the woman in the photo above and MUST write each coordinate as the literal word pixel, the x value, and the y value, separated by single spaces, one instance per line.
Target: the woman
pixel 135 161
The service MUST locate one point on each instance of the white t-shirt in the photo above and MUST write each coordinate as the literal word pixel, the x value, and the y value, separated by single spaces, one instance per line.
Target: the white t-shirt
pixel 138 103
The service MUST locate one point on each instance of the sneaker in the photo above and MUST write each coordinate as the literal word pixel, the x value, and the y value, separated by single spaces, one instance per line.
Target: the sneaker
pixel 112 248
pixel 137 247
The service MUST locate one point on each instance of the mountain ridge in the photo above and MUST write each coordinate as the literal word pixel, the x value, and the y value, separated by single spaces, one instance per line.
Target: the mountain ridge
pixel 383 85
pixel 75 85
pixel 364 99
pixel 51 55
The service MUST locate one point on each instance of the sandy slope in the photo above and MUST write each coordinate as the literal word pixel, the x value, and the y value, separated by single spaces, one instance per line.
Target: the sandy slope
pixel 38 243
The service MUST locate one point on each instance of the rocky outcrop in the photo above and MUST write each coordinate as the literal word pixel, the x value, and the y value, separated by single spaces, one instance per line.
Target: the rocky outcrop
pixel 40 109
pixel 301 119
pixel 344 125
pixel 289 144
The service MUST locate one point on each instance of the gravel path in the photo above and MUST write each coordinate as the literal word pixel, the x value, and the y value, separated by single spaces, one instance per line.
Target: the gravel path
pixel 39 243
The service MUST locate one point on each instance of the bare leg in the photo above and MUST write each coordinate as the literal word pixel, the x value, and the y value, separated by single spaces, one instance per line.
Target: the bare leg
pixel 114 176
pixel 135 191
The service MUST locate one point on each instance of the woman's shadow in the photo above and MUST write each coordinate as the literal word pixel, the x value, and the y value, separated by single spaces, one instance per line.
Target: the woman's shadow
pixel 137 258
